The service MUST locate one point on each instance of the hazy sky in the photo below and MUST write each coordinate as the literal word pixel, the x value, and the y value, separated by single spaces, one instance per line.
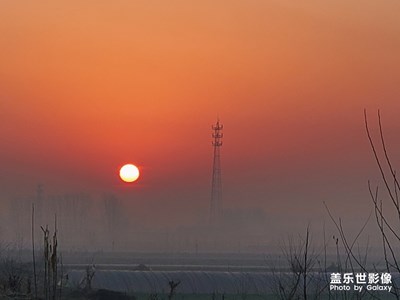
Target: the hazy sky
pixel 86 86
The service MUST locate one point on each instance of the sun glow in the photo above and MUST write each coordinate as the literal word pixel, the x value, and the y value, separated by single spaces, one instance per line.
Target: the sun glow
pixel 129 173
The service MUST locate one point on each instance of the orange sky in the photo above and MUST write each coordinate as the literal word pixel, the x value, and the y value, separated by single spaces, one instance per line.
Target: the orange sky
pixel 88 85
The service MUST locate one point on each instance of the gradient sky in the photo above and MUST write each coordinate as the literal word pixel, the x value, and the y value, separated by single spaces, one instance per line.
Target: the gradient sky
pixel 86 86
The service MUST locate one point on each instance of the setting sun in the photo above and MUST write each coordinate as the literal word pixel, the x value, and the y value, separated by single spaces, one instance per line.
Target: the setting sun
pixel 129 173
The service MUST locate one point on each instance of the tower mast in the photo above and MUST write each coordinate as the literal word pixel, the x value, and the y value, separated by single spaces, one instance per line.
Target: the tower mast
pixel 216 185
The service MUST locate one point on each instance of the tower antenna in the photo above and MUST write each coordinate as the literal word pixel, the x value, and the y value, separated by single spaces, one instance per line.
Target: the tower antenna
pixel 216 185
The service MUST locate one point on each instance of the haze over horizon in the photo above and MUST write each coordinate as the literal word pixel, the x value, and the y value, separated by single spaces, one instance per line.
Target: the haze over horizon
pixel 86 87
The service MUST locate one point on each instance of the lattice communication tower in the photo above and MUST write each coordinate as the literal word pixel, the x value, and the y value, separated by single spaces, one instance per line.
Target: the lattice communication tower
pixel 216 185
